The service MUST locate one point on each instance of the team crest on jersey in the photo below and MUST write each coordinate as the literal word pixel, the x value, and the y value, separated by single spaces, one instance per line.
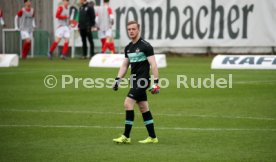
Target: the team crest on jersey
pixel 137 50
pixel 86 8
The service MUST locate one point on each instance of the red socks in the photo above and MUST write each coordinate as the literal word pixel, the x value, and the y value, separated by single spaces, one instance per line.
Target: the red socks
pixel 53 46
pixel 26 49
pixel 65 48
pixel 103 40
pixel 105 46
pixel 110 46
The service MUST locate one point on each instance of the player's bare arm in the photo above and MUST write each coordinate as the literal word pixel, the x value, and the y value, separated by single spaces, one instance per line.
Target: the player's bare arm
pixel 154 68
pixel 123 69
pixel 155 88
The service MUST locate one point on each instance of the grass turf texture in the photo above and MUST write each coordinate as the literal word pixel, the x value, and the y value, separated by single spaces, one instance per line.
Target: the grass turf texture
pixel 78 124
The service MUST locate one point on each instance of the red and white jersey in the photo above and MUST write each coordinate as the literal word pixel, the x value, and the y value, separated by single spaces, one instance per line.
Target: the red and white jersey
pixel 104 17
pixel 26 16
pixel 63 16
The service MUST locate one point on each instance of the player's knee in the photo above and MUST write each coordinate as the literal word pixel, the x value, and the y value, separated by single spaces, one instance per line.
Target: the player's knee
pixel 143 108
pixel 27 40
pixel 57 40
pixel 128 106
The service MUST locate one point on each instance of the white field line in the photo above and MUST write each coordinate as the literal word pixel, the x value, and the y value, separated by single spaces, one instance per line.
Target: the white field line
pixel 155 114
pixel 256 82
pixel 119 127
pixel 30 71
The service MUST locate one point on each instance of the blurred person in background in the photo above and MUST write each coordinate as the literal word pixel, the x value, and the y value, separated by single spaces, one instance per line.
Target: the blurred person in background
pixel 63 30
pixel 26 26
pixel 86 24
pixel 105 21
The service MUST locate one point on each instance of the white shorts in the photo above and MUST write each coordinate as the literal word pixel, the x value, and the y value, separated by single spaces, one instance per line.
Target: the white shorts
pixel 105 33
pixel 63 32
pixel 26 35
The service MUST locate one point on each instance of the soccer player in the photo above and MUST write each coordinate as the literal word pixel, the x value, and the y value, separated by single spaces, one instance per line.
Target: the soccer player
pixel 26 26
pixel 140 55
pixel 1 18
pixel 105 20
pixel 86 22
pixel 63 30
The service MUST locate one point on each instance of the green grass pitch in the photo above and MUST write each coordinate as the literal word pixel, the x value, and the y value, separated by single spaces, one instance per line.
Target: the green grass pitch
pixel 78 124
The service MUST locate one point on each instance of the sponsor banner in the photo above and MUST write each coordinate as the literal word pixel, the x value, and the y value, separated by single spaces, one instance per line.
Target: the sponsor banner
pixel 9 60
pixel 116 60
pixel 196 23
pixel 244 62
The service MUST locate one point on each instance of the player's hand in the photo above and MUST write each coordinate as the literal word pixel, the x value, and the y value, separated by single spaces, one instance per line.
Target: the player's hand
pixel 73 23
pixel 155 89
pixel 115 86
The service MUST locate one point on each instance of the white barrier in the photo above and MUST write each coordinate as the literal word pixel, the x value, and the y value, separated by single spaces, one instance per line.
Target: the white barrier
pixel 9 60
pixel 244 62
pixel 116 60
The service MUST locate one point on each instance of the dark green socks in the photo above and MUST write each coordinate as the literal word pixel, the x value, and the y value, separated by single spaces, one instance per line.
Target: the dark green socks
pixel 148 121
pixel 129 122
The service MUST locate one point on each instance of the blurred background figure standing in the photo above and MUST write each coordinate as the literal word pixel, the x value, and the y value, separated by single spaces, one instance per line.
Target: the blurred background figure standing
pixel 105 21
pixel 86 23
pixel 26 26
pixel 63 30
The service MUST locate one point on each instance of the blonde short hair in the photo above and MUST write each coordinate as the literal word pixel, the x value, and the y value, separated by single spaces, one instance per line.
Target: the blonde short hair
pixel 133 22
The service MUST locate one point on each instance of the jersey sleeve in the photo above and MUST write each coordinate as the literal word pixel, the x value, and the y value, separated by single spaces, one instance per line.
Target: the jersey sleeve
pixel 149 51
pixel 20 13
pixel 109 10
pixel 1 13
pixel 58 14
pixel 126 52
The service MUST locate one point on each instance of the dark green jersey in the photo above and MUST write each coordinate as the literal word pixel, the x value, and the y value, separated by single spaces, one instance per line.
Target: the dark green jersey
pixel 137 54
